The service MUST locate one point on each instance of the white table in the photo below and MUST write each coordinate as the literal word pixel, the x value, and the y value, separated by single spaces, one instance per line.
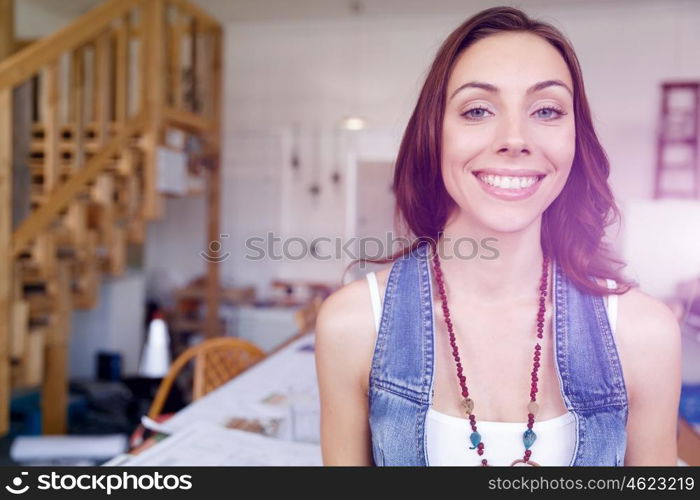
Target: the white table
pixel 198 435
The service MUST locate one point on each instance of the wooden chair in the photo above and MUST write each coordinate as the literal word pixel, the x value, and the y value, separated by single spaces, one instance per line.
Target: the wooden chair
pixel 216 361
pixel 688 443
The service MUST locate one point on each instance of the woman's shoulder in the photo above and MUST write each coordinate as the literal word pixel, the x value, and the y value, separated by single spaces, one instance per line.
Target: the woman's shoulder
pixel 648 317
pixel 350 305
pixel 645 312
pixel 648 337
pixel 641 314
pixel 345 328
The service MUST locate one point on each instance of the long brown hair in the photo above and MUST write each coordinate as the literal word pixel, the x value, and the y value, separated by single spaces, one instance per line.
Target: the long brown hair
pixel 573 226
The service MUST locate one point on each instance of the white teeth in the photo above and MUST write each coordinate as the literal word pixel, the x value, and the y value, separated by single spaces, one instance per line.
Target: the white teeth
pixel 508 182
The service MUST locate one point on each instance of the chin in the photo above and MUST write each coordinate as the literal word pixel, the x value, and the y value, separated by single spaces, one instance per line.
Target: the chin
pixel 507 221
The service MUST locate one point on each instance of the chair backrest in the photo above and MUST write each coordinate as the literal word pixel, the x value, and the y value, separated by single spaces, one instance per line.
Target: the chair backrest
pixel 216 361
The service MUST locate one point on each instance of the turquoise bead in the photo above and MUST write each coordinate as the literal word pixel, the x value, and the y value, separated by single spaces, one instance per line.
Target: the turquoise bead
pixel 475 439
pixel 528 438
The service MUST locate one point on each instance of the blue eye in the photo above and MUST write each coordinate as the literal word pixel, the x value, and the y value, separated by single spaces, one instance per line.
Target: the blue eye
pixel 468 114
pixel 559 112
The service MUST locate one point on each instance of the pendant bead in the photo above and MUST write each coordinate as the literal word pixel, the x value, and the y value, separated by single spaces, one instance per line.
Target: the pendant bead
pixel 475 438
pixel 529 437
pixel 468 404
pixel 533 407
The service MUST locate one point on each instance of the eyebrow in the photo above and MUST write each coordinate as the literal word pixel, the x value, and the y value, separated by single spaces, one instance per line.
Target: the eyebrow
pixel 492 88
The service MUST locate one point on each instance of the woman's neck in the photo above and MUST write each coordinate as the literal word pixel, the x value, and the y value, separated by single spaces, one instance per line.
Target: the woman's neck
pixel 483 266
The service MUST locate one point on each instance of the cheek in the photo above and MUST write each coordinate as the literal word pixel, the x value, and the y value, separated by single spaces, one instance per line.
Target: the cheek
pixel 460 147
pixel 559 149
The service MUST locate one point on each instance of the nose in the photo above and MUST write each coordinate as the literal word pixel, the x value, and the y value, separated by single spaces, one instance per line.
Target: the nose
pixel 511 138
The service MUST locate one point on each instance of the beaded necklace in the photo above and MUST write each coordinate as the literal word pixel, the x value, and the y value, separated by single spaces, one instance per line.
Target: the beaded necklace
pixel 529 435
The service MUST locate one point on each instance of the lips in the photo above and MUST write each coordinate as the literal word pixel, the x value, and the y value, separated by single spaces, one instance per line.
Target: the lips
pixel 508 172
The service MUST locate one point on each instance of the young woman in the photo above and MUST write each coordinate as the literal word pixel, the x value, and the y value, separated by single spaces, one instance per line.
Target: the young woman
pixel 533 350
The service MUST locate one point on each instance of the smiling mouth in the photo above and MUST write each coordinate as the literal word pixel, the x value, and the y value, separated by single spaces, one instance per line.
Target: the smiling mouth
pixel 509 182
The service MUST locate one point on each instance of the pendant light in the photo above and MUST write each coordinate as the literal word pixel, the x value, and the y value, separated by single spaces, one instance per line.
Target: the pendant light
pixel 353 121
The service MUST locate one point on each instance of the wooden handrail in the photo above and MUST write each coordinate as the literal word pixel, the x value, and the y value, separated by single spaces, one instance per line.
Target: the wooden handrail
pixel 189 121
pixel 26 63
pixel 66 192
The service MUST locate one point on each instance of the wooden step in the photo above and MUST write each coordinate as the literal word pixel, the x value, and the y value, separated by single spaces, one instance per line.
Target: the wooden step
pixel 86 273
pixel 27 371
pixel 40 306
pixel 66 130
pixel 64 148
pixel 20 327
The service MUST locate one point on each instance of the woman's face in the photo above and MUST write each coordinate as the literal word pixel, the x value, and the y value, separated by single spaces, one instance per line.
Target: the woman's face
pixel 508 138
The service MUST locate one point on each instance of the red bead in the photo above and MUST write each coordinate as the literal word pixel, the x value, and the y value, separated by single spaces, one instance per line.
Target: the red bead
pixel 480 451
pixel 528 452
pixel 483 462
pixel 480 446
pixel 538 347
pixel 537 364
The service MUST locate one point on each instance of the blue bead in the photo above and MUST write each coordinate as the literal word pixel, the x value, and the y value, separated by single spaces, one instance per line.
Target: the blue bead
pixel 475 439
pixel 528 438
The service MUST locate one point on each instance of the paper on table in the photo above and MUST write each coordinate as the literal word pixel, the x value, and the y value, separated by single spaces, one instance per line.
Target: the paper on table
pixel 28 448
pixel 289 370
pixel 207 444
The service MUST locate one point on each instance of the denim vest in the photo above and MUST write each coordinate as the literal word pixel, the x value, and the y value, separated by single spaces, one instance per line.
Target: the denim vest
pixel 401 376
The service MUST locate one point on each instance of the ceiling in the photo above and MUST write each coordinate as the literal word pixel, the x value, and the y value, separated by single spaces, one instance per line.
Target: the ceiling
pixel 266 10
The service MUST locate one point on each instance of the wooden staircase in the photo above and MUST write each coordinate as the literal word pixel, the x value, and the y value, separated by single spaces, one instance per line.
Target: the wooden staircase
pixel 83 114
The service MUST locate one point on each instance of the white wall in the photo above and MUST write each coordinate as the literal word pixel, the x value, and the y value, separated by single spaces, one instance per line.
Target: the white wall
pixel 313 71
pixel 114 325
pixel 37 18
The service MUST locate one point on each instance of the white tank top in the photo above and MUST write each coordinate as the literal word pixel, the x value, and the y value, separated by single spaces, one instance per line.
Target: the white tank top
pixel 448 436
